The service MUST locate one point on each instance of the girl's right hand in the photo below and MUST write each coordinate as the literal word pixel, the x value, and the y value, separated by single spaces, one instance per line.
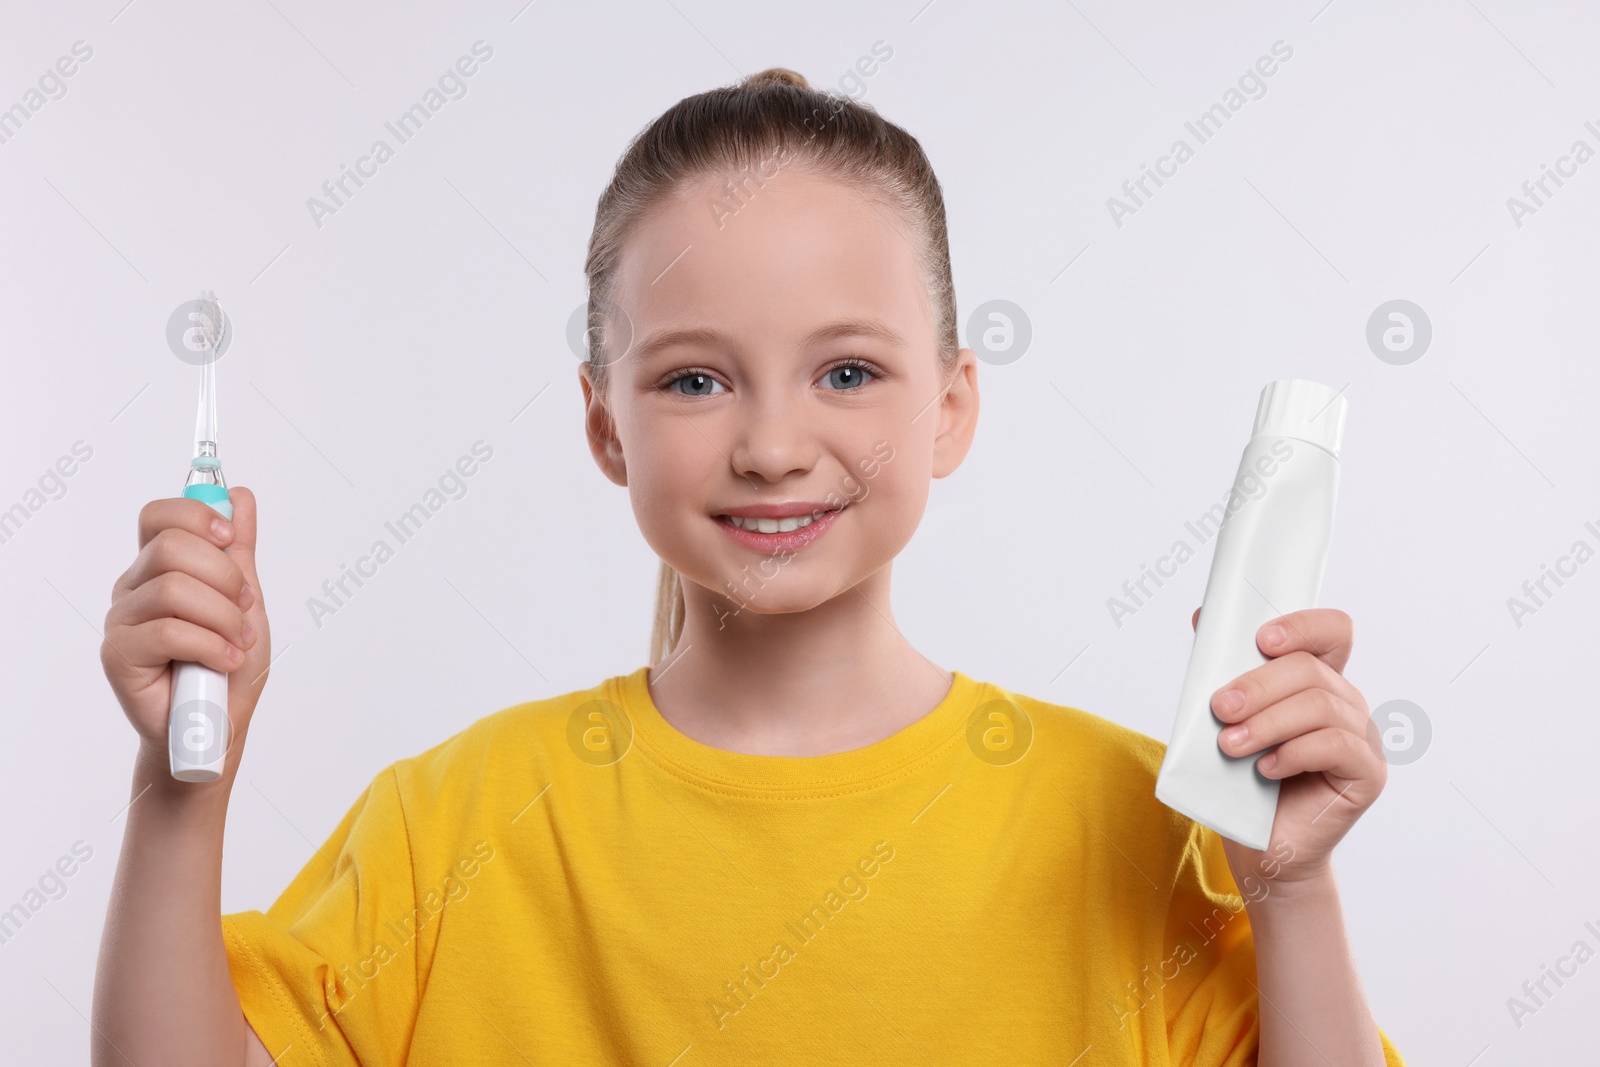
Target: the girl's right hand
pixel 186 599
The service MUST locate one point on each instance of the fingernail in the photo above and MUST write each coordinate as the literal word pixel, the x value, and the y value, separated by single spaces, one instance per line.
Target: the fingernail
pixel 1266 762
pixel 248 634
pixel 1230 700
pixel 220 529
pixel 1273 635
pixel 1234 734
pixel 235 655
pixel 245 595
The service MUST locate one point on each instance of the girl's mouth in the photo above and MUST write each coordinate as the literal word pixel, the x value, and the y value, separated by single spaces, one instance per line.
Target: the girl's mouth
pixel 787 534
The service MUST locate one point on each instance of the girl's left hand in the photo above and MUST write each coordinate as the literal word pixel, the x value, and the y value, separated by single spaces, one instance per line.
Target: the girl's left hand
pixel 1329 755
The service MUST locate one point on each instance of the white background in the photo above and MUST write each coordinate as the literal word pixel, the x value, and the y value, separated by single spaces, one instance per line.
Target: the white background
pixel 372 352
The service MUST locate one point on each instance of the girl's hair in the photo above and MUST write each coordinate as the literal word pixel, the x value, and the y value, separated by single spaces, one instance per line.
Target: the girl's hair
pixel 770 120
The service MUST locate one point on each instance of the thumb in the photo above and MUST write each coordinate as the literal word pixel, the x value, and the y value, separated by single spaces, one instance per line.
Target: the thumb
pixel 252 672
pixel 242 549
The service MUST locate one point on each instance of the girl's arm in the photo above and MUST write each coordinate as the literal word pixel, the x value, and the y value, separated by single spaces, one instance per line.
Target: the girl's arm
pixel 1330 762
pixel 162 992
pixel 1313 1010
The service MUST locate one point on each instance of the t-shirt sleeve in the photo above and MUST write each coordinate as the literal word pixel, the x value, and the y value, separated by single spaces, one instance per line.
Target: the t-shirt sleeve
pixel 1208 991
pixel 1212 1003
pixel 327 976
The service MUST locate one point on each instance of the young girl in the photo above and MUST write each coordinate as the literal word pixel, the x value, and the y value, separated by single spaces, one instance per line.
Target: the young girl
pixel 791 839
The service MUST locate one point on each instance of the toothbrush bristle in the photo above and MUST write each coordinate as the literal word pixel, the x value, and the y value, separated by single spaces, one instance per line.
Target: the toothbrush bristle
pixel 211 326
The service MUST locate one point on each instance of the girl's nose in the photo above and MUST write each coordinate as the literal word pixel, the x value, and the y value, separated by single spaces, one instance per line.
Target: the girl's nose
pixel 773 441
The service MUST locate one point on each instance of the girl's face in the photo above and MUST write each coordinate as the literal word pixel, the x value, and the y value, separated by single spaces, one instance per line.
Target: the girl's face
pixel 779 352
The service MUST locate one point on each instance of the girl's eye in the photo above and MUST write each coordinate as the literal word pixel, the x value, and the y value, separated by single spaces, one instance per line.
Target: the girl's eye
pixel 848 376
pixel 699 384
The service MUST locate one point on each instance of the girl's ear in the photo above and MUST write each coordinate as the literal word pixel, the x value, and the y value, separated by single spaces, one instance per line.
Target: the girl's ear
pixel 601 430
pixel 958 416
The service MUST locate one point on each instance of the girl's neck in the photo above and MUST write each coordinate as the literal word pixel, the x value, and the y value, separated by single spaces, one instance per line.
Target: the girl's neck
pixel 807 683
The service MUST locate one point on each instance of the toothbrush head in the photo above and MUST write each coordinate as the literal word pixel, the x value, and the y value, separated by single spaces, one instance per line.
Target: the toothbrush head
pixel 210 330
pixel 210 323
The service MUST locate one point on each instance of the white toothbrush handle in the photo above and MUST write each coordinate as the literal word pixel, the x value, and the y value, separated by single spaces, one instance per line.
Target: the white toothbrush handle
pixel 197 731
pixel 197 723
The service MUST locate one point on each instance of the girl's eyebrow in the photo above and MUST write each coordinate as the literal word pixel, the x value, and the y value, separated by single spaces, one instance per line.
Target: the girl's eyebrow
pixel 709 337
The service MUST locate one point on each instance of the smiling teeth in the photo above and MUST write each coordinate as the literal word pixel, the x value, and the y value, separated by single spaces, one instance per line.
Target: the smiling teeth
pixel 799 522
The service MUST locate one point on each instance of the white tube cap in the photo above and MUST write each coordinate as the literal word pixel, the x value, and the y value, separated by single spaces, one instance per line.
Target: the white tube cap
pixel 1304 410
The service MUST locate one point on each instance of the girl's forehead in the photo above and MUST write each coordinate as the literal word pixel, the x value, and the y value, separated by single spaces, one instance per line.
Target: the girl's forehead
pixel 797 239
pixel 728 202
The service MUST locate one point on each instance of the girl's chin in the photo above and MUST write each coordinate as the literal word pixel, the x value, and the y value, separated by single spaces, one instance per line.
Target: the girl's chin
pixel 760 591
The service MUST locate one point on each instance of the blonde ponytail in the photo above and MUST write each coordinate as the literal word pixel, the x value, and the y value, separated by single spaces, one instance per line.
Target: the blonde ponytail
pixel 669 613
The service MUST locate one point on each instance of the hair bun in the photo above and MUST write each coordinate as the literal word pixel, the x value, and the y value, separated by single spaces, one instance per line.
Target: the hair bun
pixel 775 76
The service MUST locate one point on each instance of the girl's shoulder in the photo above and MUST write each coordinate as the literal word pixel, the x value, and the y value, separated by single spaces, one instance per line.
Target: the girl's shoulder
pixel 1106 770
pixel 513 734
pixel 1070 732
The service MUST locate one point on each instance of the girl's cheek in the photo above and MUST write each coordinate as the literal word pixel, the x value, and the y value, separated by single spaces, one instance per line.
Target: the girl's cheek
pixel 900 488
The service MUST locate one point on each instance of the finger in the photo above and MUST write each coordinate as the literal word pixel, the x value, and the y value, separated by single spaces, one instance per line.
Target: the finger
pixel 1339 753
pixel 119 664
pixel 183 596
pixel 1326 633
pixel 1194 620
pixel 1277 679
pixel 178 549
pixel 1299 713
pixel 182 513
pixel 154 643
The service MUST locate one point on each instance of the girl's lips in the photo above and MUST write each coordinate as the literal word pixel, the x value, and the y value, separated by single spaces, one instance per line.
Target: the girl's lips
pixel 769 543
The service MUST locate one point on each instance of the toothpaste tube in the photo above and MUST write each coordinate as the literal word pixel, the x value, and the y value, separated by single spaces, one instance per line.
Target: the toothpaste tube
pixel 1271 551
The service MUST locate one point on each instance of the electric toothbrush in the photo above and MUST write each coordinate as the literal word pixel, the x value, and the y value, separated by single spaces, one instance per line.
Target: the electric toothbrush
pixel 198 727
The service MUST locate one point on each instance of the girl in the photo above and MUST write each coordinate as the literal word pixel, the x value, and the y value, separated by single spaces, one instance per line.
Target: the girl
pixel 790 839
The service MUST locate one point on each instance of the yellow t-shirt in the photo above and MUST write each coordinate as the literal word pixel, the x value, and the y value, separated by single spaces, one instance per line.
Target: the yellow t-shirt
pixel 574 881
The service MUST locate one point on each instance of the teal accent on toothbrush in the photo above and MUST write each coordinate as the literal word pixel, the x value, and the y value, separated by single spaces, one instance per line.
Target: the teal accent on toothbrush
pixel 215 495
pixel 198 727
